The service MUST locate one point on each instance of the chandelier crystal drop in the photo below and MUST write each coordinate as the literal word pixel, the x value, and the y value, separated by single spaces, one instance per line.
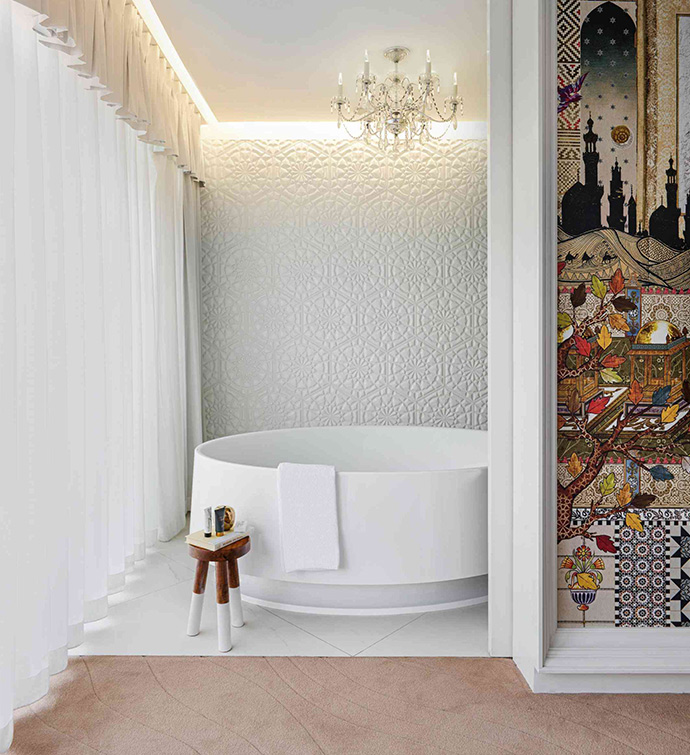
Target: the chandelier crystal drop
pixel 397 113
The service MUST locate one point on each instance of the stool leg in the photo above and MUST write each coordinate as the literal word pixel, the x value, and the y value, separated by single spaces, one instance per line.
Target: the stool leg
pixel 235 595
pixel 194 623
pixel 223 608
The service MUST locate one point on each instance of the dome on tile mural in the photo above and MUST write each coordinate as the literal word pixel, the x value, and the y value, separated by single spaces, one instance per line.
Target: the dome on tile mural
pixel 658 331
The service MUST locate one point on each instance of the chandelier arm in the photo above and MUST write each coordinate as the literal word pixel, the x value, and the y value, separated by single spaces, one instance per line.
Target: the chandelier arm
pixel 431 118
pixel 365 118
pixel 354 118
pixel 441 118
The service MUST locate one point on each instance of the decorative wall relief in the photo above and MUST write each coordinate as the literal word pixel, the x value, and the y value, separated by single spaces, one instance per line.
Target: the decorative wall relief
pixel 624 314
pixel 343 286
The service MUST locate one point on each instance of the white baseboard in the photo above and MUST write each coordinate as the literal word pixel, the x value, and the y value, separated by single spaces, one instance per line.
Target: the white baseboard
pixel 603 683
pixel 616 660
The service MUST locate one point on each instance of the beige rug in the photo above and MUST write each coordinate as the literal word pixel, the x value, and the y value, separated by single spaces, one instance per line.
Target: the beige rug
pixel 357 706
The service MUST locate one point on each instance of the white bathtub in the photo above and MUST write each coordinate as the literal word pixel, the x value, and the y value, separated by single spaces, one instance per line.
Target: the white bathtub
pixel 412 507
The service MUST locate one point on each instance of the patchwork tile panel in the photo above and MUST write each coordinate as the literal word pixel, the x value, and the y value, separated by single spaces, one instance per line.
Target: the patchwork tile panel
pixel 623 368
pixel 679 575
pixel 640 580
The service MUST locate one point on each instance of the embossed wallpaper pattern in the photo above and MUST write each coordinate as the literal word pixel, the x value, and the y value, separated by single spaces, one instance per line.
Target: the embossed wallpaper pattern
pixel 341 286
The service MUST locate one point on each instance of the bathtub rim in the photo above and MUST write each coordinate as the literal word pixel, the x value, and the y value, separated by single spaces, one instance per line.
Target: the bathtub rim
pixel 201 449
pixel 432 587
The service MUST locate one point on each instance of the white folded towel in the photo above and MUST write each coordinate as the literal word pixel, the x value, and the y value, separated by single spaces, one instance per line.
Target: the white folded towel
pixel 308 517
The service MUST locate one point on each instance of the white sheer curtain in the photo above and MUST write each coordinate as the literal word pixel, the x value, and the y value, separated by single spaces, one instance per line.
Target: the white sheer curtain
pixel 109 41
pixel 99 350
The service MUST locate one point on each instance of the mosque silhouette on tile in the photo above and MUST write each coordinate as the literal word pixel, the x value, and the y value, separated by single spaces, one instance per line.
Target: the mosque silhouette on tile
pixel 581 204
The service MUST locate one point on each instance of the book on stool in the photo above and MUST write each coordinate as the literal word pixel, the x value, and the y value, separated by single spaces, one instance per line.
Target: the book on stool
pixel 213 543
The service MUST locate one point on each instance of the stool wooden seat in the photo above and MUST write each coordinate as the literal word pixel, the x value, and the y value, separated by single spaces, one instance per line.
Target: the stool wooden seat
pixel 228 596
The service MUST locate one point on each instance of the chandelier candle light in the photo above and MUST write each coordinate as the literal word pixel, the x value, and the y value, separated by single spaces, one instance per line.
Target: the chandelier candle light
pixel 396 111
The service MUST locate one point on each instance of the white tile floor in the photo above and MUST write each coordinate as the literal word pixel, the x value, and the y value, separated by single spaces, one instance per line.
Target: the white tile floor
pixel 149 617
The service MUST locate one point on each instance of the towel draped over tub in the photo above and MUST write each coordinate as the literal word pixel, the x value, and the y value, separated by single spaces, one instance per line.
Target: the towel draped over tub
pixel 308 514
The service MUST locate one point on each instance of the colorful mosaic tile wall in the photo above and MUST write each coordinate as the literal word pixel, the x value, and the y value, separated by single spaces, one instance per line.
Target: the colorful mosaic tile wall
pixel 623 507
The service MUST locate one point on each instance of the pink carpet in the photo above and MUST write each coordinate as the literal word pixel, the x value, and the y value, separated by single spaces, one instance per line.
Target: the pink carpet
pixel 334 706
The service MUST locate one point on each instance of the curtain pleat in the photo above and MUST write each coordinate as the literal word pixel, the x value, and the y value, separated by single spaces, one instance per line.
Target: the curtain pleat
pixel 56 460
pixel 74 434
pixel 32 636
pixel 169 287
pixel 10 515
pixel 109 42
pixel 99 244
pixel 192 292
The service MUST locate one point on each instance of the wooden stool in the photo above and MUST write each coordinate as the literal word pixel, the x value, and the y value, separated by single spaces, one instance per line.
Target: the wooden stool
pixel 227 600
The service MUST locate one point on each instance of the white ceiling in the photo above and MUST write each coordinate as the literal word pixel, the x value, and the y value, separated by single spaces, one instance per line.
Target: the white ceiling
pixel 278 60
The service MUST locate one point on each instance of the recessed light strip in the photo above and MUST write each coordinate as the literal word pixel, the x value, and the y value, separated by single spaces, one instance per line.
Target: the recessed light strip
pixel 316 130
pixel 155 26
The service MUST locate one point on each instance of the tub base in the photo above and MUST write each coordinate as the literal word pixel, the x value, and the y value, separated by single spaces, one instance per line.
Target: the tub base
pixel 364 600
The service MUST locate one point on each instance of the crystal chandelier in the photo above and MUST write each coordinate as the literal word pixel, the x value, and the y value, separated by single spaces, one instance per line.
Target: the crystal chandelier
pixel 397 112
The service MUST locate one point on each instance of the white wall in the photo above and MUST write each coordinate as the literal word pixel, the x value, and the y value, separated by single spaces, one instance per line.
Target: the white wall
pixel 342 285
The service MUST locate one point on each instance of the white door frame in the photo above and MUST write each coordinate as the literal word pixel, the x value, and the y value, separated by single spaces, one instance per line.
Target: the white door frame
pixel 500 283
pixel 551 659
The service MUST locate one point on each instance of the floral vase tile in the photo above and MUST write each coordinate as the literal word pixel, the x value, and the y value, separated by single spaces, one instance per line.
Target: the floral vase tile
pixel 586 587
pixel 600 612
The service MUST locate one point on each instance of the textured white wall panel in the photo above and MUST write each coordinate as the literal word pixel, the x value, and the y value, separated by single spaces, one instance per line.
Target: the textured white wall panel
pixel 342 286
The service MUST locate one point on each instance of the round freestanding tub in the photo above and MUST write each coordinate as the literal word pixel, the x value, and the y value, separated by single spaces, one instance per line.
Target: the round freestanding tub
pixel 412 514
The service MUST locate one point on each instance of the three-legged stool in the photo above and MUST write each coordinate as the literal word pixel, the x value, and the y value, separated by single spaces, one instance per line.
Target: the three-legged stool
pixel 228 596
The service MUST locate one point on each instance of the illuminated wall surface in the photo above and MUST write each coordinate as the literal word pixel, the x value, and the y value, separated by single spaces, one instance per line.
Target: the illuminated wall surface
pixel 624 313
pixel 343 286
